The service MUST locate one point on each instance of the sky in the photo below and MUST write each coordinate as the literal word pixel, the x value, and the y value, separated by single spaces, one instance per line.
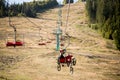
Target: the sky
pixel 20 1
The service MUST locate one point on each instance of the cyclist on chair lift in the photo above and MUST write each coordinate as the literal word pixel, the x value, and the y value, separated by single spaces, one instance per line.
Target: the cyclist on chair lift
pixel 62 52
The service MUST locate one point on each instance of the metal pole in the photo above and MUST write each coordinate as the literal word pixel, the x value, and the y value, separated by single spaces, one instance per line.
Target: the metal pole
pixel 58 32
pixel 15 35
pixel 58 43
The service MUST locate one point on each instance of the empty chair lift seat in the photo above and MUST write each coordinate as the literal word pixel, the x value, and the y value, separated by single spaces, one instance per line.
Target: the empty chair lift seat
pixel 14 43
pixel 42 44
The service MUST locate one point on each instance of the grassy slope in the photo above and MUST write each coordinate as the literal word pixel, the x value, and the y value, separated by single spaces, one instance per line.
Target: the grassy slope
pixel 96 57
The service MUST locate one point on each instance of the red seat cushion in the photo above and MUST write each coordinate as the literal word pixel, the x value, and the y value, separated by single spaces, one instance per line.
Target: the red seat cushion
pixel 19 43
pixel 10 43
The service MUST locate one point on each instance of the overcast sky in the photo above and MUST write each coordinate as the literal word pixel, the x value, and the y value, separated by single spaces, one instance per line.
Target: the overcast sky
pixel 20 1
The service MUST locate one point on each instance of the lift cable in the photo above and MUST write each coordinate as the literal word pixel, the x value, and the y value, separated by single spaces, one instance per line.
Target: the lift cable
pixel 67 16
pixel 66 26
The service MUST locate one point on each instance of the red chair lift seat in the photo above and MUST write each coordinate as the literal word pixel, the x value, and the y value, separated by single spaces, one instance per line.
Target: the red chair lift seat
pixel 18 43
pixel 42 44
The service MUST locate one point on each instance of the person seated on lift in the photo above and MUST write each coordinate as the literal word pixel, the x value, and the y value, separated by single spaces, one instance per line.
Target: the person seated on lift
pixel 62 52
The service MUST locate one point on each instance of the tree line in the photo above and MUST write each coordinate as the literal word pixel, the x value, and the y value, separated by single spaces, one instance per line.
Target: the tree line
pixel 106 14
pixel 67 1
pixel 26 8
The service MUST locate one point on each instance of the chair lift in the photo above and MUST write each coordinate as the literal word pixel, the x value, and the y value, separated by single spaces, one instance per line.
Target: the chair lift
pixel 49 40
pixel 69 59
pixel 42 43
pixel 41 40
pixel 15 42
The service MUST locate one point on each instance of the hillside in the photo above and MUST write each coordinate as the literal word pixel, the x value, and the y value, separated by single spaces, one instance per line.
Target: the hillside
pixel 97 58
